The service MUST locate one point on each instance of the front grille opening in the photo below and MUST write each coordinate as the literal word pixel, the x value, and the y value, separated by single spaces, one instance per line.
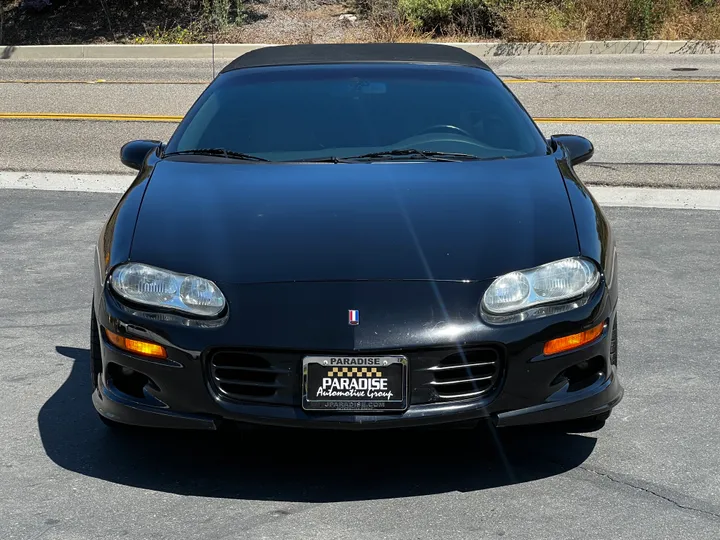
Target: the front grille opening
pixel 582 374
pixel 467 374
pixel 128 381
pixel 243 376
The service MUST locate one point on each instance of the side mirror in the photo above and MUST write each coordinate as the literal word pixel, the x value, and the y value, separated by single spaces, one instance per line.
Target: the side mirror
pixel 133 154
pixel 578 148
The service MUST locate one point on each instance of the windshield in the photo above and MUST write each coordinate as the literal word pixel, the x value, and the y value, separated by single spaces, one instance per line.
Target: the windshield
pixel 306 113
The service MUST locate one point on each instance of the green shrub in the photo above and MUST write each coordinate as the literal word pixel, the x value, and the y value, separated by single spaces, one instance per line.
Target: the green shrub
pixel 472 17
pixel 646 16
pixel 176 36
pixel 641 18
pixel 224 13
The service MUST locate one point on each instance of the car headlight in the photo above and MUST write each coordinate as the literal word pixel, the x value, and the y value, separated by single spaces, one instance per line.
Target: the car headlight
pixel 553 283
pixel 152 286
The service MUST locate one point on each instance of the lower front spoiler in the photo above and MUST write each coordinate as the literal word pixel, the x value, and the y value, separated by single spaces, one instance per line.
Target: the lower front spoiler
pixel 596 399
pixel 116 407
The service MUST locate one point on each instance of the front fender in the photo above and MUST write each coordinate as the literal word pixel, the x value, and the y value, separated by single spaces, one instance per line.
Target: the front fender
pixel 116 236
pixel 595 236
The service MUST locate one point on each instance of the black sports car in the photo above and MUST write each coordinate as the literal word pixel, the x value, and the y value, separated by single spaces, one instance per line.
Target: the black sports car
pixel 355 236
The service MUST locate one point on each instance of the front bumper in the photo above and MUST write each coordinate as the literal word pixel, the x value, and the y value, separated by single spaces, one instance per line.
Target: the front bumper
pixel 531 390
pixel 601 397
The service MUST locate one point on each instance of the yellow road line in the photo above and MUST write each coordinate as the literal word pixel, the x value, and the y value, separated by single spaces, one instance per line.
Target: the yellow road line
pixel 93 117
pixel 507 80
pixel 96 81
pixel 175 119
pixel 613 120
pixel 630 80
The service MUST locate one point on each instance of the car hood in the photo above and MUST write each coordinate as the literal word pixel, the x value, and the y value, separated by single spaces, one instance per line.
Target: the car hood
pixel 253 223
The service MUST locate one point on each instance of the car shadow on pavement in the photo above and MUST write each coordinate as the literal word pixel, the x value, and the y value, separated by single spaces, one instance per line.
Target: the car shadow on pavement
pixel 295 465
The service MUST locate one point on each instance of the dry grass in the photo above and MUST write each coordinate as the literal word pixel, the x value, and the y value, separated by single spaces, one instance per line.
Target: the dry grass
pixel 548 20
pixel 544 23
pixel 699 24
pixel 389 31
pixel 568 21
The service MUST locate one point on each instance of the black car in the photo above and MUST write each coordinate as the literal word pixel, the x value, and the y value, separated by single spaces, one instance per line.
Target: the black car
pixel 355 236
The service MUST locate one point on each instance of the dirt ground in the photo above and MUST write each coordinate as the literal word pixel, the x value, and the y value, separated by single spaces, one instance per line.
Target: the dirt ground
pixel 299 21
pixel 150 21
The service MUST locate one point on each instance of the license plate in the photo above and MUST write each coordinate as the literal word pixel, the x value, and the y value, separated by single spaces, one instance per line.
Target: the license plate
pixel 355 383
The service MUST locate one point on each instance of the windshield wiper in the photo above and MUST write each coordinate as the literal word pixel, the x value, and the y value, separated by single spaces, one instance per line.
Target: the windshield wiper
pixel 413 153
pixel 217 152
pixel 326 159
pixel 393 154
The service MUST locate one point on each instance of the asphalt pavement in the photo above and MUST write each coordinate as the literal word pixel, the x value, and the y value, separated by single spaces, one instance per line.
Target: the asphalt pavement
pixel 650 473
pixel 528 66
pixel 685 156
pixel 554 97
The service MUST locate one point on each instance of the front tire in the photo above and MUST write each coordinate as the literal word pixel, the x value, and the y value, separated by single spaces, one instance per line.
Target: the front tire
pixel 116 427
pixel 587 424
pixel 95 355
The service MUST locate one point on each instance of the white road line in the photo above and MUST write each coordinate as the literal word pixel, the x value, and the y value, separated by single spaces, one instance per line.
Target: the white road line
pixel 91 183
pixel 690 199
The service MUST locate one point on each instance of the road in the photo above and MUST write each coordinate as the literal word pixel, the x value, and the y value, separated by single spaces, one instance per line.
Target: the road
pixel 650 473
pixel 655 153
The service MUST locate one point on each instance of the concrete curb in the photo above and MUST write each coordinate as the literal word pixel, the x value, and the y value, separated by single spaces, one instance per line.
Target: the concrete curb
pixel 592 47
pixel 688 199
pixel 58 52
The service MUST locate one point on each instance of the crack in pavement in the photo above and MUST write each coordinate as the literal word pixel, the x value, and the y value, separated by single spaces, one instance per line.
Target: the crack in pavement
pixel 41 533
pixel 649 491
pixel 615 478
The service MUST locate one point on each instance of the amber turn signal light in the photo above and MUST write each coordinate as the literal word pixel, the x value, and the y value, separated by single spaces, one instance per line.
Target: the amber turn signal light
pixel 135 346
pixel 573 341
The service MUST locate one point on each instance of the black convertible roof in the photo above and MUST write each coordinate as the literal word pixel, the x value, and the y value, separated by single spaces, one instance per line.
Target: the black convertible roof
pixel 349 53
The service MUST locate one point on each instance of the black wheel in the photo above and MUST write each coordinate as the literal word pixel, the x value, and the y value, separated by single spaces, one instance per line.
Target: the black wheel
pixel 585 425
pixel 95 356
pixel 601 417
pixel 107 422
pixel 113 425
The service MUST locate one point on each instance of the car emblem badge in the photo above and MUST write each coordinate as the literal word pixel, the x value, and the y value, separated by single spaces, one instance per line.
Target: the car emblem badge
pixel 353 317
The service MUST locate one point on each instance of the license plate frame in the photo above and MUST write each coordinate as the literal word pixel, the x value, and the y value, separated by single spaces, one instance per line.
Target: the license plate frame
pixel 367 396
